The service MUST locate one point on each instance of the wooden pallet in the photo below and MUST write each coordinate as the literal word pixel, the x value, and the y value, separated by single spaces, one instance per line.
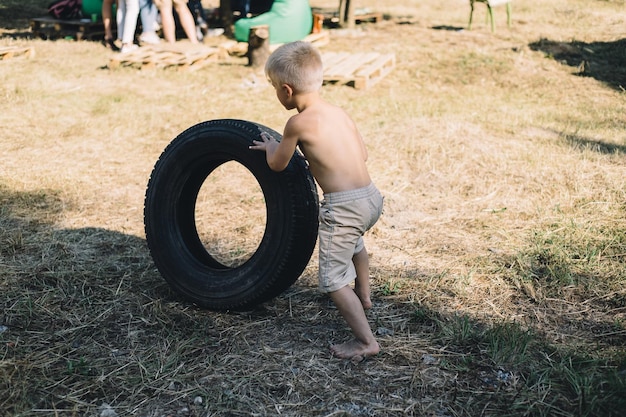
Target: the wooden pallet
pixel 7 52
pixel 241 48
pixel 50 28
pixel 183 59
pixel 318 39
pixel 331 16
pixel 362 69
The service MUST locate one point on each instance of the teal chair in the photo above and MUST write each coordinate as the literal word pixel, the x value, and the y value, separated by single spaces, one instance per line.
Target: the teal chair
pixel 92 7
pixel 490 4
pixel 288 21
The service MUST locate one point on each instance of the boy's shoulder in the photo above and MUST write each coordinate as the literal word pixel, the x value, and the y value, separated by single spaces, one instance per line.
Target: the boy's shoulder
pixel 325 109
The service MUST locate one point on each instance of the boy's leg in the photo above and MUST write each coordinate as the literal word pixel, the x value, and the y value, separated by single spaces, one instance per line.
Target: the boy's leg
pixel 364 343
pixel 362 283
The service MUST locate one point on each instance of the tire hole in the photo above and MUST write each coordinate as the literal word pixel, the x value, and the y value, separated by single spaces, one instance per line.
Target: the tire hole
pixel 230 214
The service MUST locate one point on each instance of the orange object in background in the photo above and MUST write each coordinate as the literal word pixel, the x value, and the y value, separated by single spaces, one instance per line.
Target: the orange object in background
pixel 318 23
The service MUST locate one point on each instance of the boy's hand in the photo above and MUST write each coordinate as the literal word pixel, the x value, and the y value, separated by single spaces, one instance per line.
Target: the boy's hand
pixel 277 153
pixel 262 145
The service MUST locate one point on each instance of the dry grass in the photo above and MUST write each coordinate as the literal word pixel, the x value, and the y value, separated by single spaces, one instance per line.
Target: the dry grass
pixel 498 266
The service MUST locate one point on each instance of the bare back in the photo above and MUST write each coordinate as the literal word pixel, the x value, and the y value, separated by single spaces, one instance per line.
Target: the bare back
pixel 333 146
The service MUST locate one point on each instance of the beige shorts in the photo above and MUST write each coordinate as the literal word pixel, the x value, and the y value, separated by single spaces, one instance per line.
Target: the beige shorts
pixel 344 218
pixel 159 3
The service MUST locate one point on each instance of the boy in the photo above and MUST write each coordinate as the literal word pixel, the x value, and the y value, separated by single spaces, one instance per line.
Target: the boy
pixel 336 154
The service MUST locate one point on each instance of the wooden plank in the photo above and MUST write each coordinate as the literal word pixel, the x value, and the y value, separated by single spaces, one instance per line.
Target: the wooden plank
pixel 374 72
pixel 166 56
pixel 195 60
pixel 349 65
pixel 332 16
pixel 332 58
pixel 361 69
pixel 381 61
pixel 7 52
pixel 241 48
pixel 318 39
pixel 140 56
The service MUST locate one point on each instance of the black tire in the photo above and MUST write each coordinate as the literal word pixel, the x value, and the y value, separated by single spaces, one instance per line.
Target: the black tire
pixel 291 211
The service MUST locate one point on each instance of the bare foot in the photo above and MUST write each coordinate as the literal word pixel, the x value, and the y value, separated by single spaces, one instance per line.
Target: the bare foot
pixel 355 350
pixel 364 296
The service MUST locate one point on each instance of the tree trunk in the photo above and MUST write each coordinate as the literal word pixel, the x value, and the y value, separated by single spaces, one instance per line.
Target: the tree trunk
pixel 258 45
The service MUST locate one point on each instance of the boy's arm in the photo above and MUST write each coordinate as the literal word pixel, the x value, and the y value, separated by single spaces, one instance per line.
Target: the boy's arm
pixel 278 154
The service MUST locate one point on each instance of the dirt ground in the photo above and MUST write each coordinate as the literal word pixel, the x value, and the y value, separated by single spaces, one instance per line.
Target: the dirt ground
pixel 501 158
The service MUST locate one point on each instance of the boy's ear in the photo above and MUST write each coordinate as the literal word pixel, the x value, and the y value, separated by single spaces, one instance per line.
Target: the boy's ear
pixel 288 90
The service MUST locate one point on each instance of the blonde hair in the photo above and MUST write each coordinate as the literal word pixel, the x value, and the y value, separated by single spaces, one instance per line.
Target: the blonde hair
pixel 297 64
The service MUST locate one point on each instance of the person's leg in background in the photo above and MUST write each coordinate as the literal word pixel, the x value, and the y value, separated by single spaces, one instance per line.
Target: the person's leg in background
pixel 107 21
pixel 197 11
pixel 169 24
pixel 127 14
pixel 149 14
pixel 186 20
pixel 167 20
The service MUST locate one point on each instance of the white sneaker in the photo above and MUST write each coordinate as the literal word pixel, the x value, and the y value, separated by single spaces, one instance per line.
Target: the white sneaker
pixel 215 32
pixel 129 48
pixel 150 38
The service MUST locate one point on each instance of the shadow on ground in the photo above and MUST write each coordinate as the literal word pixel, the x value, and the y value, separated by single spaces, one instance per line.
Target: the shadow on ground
pixel 15 14
pixel 580 142
pixel 449 28
pixel 604 61
pixel 88 327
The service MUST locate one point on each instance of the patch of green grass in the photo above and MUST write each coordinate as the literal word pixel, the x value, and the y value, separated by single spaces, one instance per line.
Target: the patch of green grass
pixel 459 329
pixel 569 381
pixel 508 344
pixel 80 366
pixel 390 287
pixel 541 379
pixel 586 256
